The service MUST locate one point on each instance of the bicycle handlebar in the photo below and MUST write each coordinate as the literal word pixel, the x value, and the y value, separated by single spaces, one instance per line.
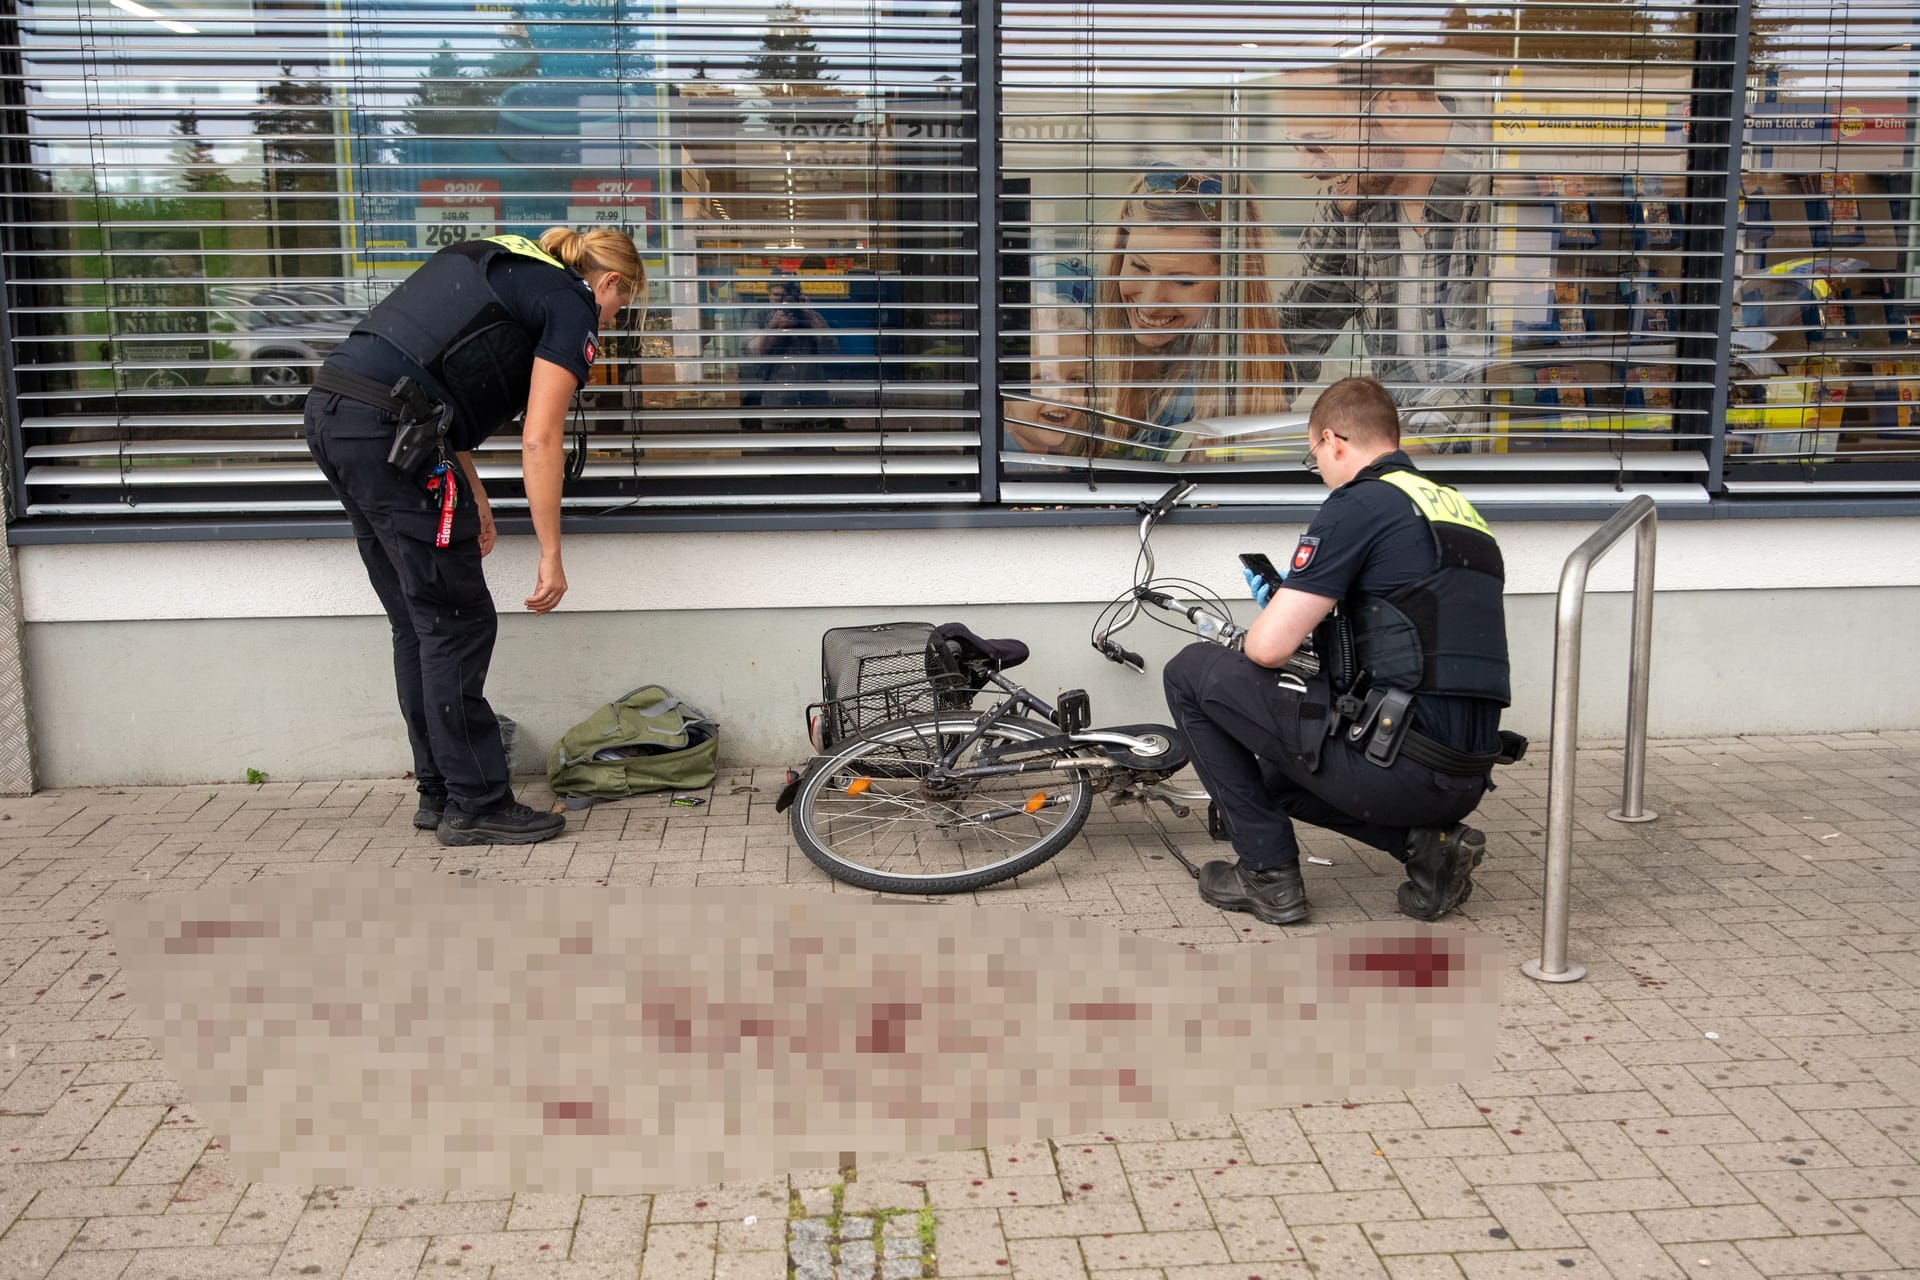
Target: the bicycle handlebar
pixel 1163 506
pixel 1125 657
pixel 1208 625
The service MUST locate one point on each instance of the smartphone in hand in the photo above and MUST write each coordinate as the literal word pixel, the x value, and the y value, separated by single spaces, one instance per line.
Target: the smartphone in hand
pixel 1262 568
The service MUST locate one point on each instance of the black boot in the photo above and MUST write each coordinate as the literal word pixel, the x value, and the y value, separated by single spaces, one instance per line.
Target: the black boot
pixel 1273 896
pixel 515 824
pixel 1440 863
pixel 432 809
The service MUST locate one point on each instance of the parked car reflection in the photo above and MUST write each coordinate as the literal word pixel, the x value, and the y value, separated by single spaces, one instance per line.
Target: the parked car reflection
pixel 274 340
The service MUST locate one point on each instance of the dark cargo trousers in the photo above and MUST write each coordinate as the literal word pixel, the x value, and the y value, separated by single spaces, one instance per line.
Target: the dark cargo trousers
pixel 436 601
pixel 1253 750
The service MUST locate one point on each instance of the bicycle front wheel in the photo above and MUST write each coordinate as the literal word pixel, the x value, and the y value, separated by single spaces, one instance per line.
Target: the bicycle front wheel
pixel 869 816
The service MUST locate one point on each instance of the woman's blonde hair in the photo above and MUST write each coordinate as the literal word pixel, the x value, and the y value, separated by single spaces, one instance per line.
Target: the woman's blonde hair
pixel 1235 360
pixel 601 249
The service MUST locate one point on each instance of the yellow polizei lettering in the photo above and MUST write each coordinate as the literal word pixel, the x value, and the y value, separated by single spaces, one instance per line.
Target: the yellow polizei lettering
pixel 527 249
pixel 1437 501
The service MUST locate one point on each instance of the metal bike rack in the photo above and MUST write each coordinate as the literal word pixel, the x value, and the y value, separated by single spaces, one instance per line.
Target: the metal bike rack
pixel 1640 516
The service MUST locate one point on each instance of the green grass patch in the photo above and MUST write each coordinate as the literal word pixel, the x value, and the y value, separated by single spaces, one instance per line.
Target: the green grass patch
pixel 834 1219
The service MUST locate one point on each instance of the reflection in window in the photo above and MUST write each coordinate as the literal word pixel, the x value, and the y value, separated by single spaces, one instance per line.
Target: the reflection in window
pixel 1824 379
pixel 1486 208
pixel 218 213
pixel 1200 222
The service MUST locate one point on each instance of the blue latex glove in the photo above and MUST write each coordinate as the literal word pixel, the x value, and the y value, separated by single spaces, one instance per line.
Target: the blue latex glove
pixel 1262 589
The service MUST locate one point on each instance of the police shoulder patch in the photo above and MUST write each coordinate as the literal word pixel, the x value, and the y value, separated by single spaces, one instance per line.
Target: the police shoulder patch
pixel 1303 554
pixel 592 352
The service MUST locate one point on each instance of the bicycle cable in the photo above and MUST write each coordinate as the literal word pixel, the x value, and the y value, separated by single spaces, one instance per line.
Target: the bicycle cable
pixel 1194 592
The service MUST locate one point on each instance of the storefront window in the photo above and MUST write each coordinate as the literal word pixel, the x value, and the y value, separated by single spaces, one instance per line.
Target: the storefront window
pixel 208 221
pixel 1487 208
pixel 1515 215
pixel 1825 373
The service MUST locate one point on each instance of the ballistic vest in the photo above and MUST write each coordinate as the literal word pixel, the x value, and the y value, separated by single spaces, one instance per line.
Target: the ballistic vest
pixel 447 319
pixel 1444 633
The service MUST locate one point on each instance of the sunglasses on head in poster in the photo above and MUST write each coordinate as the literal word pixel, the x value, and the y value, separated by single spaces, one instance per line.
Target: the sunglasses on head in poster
pixel 1167 179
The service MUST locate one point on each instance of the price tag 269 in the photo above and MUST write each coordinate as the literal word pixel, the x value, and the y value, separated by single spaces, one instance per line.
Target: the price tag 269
pixel 453 224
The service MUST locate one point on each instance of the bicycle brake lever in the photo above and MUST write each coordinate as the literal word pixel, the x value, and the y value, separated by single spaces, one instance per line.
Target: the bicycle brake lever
pixel 1125 657
pixel 1162 506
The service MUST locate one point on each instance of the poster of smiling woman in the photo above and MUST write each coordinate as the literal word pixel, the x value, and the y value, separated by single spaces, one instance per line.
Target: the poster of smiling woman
pixel 1179 325
pixel 1336 220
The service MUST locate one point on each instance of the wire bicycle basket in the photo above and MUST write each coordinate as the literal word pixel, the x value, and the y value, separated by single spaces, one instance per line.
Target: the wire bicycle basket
pixel 870 675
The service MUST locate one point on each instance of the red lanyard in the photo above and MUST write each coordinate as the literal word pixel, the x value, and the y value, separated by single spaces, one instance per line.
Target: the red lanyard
pixel 442 483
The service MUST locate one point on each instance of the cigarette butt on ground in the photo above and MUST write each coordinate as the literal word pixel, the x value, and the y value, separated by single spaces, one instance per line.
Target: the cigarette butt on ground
pixel 1320 862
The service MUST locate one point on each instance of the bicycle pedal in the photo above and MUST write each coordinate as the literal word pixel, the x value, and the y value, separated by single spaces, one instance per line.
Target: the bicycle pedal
pixel 1075 711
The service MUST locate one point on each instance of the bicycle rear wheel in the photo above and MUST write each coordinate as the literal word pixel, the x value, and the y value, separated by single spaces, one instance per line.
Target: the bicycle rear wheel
pixel 868 816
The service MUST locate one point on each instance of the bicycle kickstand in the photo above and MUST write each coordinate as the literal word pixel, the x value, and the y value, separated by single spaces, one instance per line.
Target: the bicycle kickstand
pixel 1153 819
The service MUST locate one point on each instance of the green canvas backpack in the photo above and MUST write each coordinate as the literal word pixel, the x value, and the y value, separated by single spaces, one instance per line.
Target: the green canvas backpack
pixel 646 740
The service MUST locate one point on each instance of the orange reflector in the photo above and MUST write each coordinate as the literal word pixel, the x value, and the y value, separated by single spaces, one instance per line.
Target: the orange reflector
pixel 1036 802
pixel 858 786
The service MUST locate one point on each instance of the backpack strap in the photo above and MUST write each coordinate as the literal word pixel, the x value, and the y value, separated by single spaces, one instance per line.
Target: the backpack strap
pixel 688 712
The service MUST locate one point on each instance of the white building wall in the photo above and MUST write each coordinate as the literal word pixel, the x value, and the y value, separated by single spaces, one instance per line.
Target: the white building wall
pixel 177 662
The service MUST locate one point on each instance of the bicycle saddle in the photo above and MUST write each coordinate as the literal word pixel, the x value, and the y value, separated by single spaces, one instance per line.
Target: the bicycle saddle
pixel 999 654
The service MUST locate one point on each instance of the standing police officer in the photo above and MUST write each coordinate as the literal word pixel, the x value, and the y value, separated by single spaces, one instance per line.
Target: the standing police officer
pixel 483 332
pixel 1392 741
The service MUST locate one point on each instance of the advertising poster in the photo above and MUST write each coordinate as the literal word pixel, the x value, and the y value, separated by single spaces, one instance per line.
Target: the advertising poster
pixel 159 302
pixel 538 117
pixel 1339 228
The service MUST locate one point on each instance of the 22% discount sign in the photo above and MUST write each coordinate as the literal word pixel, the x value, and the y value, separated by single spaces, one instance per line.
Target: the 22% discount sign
pixel 457 209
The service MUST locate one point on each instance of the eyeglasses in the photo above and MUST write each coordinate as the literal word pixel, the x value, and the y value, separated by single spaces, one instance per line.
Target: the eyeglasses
pixel 1167 179
pixel 1311 463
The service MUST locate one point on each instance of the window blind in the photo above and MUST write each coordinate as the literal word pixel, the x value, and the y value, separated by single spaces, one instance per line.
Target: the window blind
pixel 1507 213
pixel 206 195
pixel 1826 373
pixel 1595 248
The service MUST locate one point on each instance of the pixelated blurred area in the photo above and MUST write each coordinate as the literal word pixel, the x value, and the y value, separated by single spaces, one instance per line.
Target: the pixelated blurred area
pixel 1729 1092
pixel 399 1028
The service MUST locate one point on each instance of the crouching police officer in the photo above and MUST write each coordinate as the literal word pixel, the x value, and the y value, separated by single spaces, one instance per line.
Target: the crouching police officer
pixel 482 332
pixel 1392 740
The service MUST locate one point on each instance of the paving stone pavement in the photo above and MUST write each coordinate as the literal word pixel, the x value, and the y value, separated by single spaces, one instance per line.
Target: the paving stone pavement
pixel 1775 904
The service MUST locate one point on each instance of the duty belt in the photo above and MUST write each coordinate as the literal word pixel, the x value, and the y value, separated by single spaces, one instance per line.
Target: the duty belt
pixel 1441 758
pixel 367 391
pixel 423 424
pixel 1381 724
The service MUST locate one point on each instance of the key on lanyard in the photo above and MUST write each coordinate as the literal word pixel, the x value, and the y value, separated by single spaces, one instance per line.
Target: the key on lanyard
pixel 441 481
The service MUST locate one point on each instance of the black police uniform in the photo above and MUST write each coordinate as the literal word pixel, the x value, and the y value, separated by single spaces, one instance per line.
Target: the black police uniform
pixel 1423 596
pixel 466 326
